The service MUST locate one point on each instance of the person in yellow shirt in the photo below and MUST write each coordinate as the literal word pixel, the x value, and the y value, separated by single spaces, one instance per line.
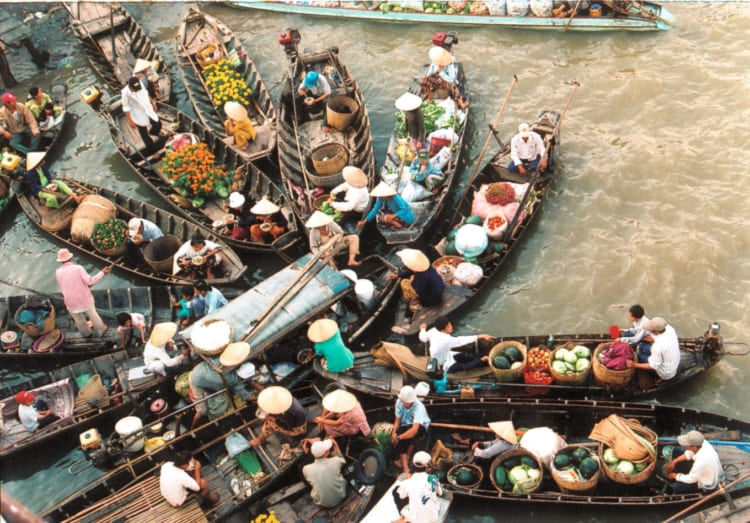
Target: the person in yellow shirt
pixel 238 126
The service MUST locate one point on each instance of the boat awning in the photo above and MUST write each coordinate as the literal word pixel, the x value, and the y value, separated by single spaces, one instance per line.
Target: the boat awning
pixel 243 312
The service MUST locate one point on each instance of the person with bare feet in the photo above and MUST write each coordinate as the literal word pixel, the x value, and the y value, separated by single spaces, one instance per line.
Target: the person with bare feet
pixel 409 427
pixel 421 490
pixel 283 413
pixel 181 475
pixel 390 208
pixel 43 186
pixel 323 229
pixel 506 440
pixel 351 198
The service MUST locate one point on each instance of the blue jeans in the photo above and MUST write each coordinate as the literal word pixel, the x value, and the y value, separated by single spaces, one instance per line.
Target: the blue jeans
pixel 16 141
pixel 643 351
pixel 529 166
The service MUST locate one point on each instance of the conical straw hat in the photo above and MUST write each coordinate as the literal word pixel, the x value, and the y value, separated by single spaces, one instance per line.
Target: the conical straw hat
pixel 440 56
pixel 33 159
pixel 408 102
pixel 162 333
pixel 383 190
pixel 322 330
pixel 234 354
pixel 339 401
pixel 354 176
pixel 318 219
pixel 235 111
pixel 142 65
pixel 265 207
pixel 275 400
pixel 414 259
pixel 505 430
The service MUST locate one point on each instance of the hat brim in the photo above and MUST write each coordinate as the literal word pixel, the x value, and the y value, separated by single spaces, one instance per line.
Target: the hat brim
pixel 63 257
pixel 408 102
pixel 322 330
pixel 414 260
pixel 383 190
pixel 339 401
pixel 162 333
pixel 354 177
pixel 275 400
pixel 504 430
pixel 440 56
pixel 318 219
pixel 234 354
pixel 235 111
pixel 264 208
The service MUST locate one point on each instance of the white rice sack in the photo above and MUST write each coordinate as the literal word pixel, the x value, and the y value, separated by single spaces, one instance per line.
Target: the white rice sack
pixel 212 337
pixel 520 189
pixel 543 443
pixel 412 191
pixel 468 274
pixel 442 157
pixel 541 7
pixel 496 7
pixel 517 7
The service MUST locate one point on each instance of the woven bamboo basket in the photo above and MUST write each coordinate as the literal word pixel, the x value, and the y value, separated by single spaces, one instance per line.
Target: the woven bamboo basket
pixel 114 251
pixel 620 477
pixel 453 472
pixel 31 328
pixel 578 487
pixel 204 55
pixel 604 377
pixel 93 209
pixel 569 378
pixel 319 201
pixel 159 253
pixel 502 458
pixel 504 375
pixel 341 111
pixel 329 159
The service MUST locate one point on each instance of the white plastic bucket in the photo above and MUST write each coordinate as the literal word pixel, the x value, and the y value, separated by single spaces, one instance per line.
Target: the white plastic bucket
pixel 9 340
pixel 365 291
pixel 127 426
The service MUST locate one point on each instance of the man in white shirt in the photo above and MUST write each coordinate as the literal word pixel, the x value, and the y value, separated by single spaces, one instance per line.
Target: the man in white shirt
pixel 155 355
pixel 706 471
pixel 356 197
pixel 442 344
pixel 140 110
pixel 665 351
pixel 638 337
pixel 175 481
pixel 527 151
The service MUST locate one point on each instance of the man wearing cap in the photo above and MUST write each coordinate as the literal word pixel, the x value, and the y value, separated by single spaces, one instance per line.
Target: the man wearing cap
pixel 409 426
pixel 270 222
pixel 527 151
pixel 665 351
pixel 74 283
pixel 445 347
pixel 422 490
pixel 238 126
pixel 141 232
pixel 390 208
pixel 706 471
pixel 18 122
pixel 506 440
pixel 232 373
pixel 342 415
pixel 156 353
pixel 421 284
pixel 40 181
pixel 212 297
pixel 284 413
pixel 356 197
pixel 323 229
pixel 324 474
pixel 239 218
pixel 312 97
pixel 423 171
pixel 33 416
pixel 141 111
pixel 411 105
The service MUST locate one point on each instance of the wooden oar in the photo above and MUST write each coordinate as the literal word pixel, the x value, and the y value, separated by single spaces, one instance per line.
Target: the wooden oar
pixel 723 490
pixel 537 171
pixel 479 159
pixel 292 82
pixel 575 10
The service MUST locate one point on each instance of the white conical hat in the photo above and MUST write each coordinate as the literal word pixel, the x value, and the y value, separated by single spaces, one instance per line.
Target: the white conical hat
pixel 339 401
pixel 383 190
pixel 235 111
pixel 234 354
pixel 34 159
pixel 275 400
pixel 322 330
pixel 354 176
pixel 265 207
pixel 505 430
pixel 414 259
pixel 162 333
pixel 440 56
pixel 408 102
pixel 318 219
pixel 142 65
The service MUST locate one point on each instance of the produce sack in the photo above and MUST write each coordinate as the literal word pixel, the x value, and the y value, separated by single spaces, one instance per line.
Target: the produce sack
pixel 235 444
pixel 541 7
pixel 495 225
pixel 517 7
pixel 543 443
pixel 93 209
pixel 495 7
pixel 468 274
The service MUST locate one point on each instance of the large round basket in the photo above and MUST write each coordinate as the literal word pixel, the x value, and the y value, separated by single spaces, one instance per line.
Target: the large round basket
pixel 455 470
pixel 222 336
pixel 158 254
pixel 569 378
pixel 604 377
pixel 340 111
pixel 505 375
pixel 319 201
pixel 568 481
pixel 93 209
pixel 621 477
pixel 114 251
pixel 329 159
pixel 510 455
pixel 32 329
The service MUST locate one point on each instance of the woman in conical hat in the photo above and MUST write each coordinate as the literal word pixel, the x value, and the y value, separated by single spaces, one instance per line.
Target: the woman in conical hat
pixel 390 208
pixel 269 225
pixel 342 415
pixel 411 105
pixel 421 284
pixel 323 229
pixel 486 450
pixel 351 199
pixel 284 414
pixel 156 353
pixel 325 334
pixel 42 185
pixel 239 127
pixel 441 75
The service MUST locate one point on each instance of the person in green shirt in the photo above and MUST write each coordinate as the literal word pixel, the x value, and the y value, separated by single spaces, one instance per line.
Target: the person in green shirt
pixel 40 182
pixel 328 344
pixel 37 100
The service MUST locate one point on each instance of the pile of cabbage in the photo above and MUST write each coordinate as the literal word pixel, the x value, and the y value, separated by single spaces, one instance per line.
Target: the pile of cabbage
pixel 575 360
pixel 622 465
pixel 518 474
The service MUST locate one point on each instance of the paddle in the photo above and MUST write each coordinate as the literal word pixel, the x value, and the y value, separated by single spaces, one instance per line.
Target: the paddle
pixel 479 159
pixel 723 490
pixel 742 445
pixel 535 174
pixel 575 10
pixel 294 94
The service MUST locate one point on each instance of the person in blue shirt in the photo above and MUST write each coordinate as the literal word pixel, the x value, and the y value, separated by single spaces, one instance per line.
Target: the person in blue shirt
pixel 211 296
pixel 423 171
pixel 390 208
pixel 409 427
pixel 141 232
pixel 421 284
pixel 312 96
pixel 191 305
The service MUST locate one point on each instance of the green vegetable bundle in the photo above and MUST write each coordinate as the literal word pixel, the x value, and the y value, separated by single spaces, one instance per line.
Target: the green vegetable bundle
pixel 109 235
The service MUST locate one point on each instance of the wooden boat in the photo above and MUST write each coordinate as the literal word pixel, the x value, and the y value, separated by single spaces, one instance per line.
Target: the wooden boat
pixel 575 420
pixel 310 160
pixel 633 16
pixel 370 376
pixel 113 41
pixel 385 509
pixel 253 183
pixel 56 222
pixel 152 302
pixel 730 504
pixel 7 193
pixel 456 295
pixel 131 488
pixel 199 30
pixel 429 206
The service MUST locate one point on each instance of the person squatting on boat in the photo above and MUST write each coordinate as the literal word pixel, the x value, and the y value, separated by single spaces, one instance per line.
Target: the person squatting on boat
pixel 637 337
pixel 269 222
pixel 43 186
pixel 351 198
pixel 421 490
pixel 342 415
pixel 409 426
pixel 328 485
pixel 239 128
pixel 17 124
pixel 665 350
pixel 238 218
pixel 34 416
pixel 141 232
pixel 324 229
pixel 283 413
pixel 326 336
pixel 141 112
pixel 177 478
pixel 74 283
pixel 128 322
pixel 211 297
pixel 441 75
pixel 421 284
pixel 390 208
pixel 695 465
pixel 423 171
pixel 199 258
pixel 312 97
pixel 451 352
pixel 527 151
pixel 156 355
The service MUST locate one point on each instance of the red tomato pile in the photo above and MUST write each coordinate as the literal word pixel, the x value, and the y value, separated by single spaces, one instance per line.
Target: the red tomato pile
pixel 495 222
pixel 537 366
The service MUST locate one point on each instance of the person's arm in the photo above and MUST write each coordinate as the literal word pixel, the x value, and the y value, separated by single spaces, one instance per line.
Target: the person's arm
pixel 423 336
pixel 143 333
pixel 373 212
pixel 90 280
pixel 394 432
pixel 30 120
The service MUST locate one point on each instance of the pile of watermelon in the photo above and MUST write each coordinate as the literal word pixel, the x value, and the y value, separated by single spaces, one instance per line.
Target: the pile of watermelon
pixel 577 462
pixel 518 474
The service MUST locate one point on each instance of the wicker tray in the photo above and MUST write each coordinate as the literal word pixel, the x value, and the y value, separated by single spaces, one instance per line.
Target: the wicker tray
pixel 505 375
pixel 604 377
pixel 512 454
pixel 569 378
pixel 566 485
pixel 218 350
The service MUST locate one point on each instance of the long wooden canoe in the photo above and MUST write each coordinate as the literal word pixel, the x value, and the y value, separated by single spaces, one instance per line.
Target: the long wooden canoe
pixel 575 420
pixel 196 31
pixel 56 222
pixel 370 375
pixel 635 16
pixel 253 183
pixel 311 160
pixel 427 208
pixel 456 295
pixel 113 41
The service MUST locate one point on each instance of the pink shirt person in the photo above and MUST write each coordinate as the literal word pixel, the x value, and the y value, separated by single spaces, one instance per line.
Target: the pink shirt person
pixel 74 283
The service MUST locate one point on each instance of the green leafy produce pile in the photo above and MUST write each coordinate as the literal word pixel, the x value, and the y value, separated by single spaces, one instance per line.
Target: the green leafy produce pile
pixel 109 234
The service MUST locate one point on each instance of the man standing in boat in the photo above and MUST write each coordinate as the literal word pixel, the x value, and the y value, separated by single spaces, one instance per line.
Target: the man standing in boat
pixel 74 283
pixel 141 111
pixel 409 426
pixel 313 94
pixel 527 151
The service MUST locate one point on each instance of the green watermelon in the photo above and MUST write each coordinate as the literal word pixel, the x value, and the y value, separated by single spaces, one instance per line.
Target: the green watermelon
pixel 473 220
pixel 513 354
pixel 450 248
pixel 529 462
pixel 588 467
pixel 501 362
pixel 580 454
pixel 561 461
pixel 497 247
pixel 501 476
pixel 512 462
pixel 466 476
pixel 451 234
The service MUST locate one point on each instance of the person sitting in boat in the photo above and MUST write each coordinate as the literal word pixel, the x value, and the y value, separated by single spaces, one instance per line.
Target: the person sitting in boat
pixel 191 307
pixel 47 118
pixel 239 128
pixel 421 490
pixel 421 284
pixel 212 297
pixel 156 354
pixel 411 105
pixel 328 485
pixel 451 352
pixel 17 124
pixel 637 337
pixel 43 186
pixel 323 229
pixel 326 336
pixel 145 71
pixel 563 10
pixel 128 323
pixel 409 426
pixel 342 415
pixel 441 75
pixel 199 258
pixel 423 171
pixel 239 218
pixel 178 477
pixel 505 440
pixel 312 97
pixel 34 416
pixel 141 232
pixel 270 222
pixel 38 100
pixel 665 350
pixel 527 151
pixel 140 110
pixel 390 208
pixel 233 372
pixel 695 465
pixel 283 413
pixel 351 198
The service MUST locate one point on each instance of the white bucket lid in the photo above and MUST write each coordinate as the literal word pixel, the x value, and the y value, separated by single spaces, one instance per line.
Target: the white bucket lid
pixel 364 289
pixel 128 425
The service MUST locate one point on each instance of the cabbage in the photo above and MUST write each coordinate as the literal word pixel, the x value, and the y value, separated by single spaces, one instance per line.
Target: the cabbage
pixel 625 467
pixel 582 352
pixel 517 474
pixel 609 457
pixel 571 357
pixel 516 365
pixel 534 473
pixel 570 366
pixel 559 367
pixel 560 354
pixel 582 364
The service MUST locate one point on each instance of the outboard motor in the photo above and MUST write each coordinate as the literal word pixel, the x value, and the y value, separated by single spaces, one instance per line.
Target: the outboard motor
pixel 92 97
pixel 445 40
pixel 289 39
pixel 101 454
